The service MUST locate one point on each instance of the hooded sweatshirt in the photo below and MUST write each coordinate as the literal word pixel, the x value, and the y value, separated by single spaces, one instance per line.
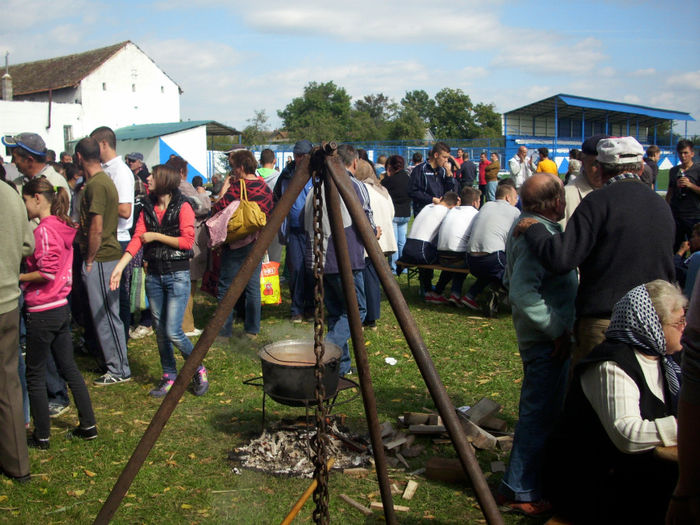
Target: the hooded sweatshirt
pixel 53 258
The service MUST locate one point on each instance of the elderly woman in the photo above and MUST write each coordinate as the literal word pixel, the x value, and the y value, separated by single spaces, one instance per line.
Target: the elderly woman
pixel 622 404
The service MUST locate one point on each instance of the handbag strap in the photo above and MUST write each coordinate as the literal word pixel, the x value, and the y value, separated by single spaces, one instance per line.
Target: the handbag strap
pixel 244 190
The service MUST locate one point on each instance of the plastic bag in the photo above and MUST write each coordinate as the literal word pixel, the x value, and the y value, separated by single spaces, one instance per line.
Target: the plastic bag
pixel 270 283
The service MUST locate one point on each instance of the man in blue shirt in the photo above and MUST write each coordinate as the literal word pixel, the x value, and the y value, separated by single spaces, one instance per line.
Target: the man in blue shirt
pixel 429 181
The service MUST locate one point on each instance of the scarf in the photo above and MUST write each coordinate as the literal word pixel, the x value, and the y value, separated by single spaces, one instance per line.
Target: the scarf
pixel 635 321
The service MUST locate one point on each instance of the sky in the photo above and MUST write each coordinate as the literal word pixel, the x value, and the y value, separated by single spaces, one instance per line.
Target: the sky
pixel 233 57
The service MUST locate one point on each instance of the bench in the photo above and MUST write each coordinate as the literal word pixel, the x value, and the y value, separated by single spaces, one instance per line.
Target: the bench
pixel 412 269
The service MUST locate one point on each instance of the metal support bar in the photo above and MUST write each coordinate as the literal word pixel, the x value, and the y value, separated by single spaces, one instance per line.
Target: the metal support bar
pixel 171 400
pixel 417 345
pixel 358 340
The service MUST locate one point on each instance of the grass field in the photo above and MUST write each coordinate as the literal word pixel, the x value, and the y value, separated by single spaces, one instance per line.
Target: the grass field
pixel 187 477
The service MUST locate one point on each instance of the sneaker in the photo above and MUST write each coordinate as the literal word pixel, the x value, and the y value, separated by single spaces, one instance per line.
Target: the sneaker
pixel 435 298
pixel 35 442
pixel 370 325
pixel 164 386
pixel 110 379
pixel 194 333
pixel 527 508
pixel 56 410
pixel 83 433
pixel 200 382
pixel 471 303
pixel 455 300
pixel 141 331
pixel 296 318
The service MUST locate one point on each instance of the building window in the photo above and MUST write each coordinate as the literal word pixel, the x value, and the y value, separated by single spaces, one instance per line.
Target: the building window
pixel 67 137
pixel 104 86
pixel 133 88
pixel 162 89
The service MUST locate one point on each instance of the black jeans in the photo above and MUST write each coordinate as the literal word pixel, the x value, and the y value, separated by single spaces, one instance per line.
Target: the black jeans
pixel 49 332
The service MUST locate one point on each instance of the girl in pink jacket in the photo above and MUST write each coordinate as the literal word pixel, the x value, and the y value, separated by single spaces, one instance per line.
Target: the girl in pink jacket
pixel 46 285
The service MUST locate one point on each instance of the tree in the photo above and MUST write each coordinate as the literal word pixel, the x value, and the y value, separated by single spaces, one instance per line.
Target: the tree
pixel 420 102
pixel 379 107
pixel 322 113
pixel 256 132
pixel 487 122
pixel 407 125
pixel 452 116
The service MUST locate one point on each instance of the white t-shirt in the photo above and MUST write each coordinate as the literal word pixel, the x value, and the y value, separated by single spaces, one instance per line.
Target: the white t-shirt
pixel 489 229
pixel 426 225
pixel 453 230
pixel 123 179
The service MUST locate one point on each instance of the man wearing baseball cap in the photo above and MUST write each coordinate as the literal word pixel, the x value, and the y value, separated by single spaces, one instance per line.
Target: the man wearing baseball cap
pixel 587 181
pixel 29 155
pixel 619 237
pixel 138 168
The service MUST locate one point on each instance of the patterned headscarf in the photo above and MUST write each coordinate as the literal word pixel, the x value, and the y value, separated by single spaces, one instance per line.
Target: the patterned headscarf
pixel 635 321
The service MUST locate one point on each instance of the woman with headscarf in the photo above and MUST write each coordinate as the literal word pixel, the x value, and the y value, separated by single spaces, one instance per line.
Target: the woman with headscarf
pixel 621 405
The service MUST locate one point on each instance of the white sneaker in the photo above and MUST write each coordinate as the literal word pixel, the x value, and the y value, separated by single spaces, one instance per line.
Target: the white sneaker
pixel 194 333
pixel 141 332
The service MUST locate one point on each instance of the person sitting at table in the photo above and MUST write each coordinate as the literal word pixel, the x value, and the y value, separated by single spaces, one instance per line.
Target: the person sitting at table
pixel 622 403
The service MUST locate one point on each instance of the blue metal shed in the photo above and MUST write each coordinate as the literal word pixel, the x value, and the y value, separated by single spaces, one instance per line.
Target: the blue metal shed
pixel 562 122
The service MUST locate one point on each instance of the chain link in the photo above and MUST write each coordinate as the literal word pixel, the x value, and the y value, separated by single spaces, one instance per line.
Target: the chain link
pixel 318 443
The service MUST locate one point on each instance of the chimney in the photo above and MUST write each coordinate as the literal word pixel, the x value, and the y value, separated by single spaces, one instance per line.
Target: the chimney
pixel 6 81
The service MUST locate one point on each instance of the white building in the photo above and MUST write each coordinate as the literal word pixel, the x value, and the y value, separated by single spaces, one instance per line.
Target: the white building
pixel 65 98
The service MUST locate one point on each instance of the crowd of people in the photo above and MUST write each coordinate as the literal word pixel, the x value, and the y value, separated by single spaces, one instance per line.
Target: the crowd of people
pixel 594 272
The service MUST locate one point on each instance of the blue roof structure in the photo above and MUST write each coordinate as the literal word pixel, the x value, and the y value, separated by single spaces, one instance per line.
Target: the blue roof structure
pixel 567 106
pixel 149 131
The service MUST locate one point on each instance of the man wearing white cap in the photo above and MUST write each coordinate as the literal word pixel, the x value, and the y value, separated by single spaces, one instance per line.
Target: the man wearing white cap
pixel 619 237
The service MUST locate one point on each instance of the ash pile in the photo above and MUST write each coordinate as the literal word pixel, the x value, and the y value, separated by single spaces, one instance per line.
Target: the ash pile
pixel 285 449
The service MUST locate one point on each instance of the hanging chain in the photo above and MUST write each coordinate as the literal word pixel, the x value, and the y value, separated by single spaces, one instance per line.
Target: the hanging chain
pixel 318 443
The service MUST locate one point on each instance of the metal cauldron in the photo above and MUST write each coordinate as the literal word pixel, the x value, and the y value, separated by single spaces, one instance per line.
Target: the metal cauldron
pixel 288 371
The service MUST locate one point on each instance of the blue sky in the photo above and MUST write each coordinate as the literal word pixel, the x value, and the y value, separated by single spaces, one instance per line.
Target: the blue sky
pixel 232 57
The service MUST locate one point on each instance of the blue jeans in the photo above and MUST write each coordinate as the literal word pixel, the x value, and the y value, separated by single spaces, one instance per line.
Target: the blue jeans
pixel 491 187
pixel 167 295
pixel 337 315
pixel 231 262
pixel 373 291
pixel 541 401
pixel 300 278
pixel 488 269
pixel 400 230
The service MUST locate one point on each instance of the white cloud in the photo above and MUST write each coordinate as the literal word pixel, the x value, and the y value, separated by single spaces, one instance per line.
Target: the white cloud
pixel 632 99
pixel 644 72
pixel 550 54
pixel 690 80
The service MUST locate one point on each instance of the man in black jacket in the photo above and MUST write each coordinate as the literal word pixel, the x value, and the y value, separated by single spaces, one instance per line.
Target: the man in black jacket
pixel 619 237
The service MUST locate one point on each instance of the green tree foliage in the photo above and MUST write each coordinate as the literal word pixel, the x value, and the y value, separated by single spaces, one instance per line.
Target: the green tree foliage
pixel 322 113
pixel 256 132
pixel 325 112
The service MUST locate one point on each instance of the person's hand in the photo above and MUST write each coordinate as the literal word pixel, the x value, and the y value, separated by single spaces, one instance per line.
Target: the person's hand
pixel 88 267
pixel 684 182
pixel 562 346
pixel 379 232
pixel 523 225
pixel 147 237
pixel 436 200
pixel 685 246
pixel 115 278
pixel 200 189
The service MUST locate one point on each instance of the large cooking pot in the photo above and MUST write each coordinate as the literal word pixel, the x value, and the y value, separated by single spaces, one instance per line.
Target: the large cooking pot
pixel 288 371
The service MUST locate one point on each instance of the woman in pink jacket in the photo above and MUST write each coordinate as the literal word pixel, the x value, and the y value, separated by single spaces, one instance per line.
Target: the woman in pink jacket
pixel 46 286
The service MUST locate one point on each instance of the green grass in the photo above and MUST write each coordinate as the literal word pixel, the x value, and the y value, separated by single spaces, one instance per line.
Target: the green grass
pixel 187 477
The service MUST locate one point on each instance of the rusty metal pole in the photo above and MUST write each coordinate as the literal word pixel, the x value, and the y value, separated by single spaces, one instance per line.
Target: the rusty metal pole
pixel 170 401
pixel 417 345
pixel 358 344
